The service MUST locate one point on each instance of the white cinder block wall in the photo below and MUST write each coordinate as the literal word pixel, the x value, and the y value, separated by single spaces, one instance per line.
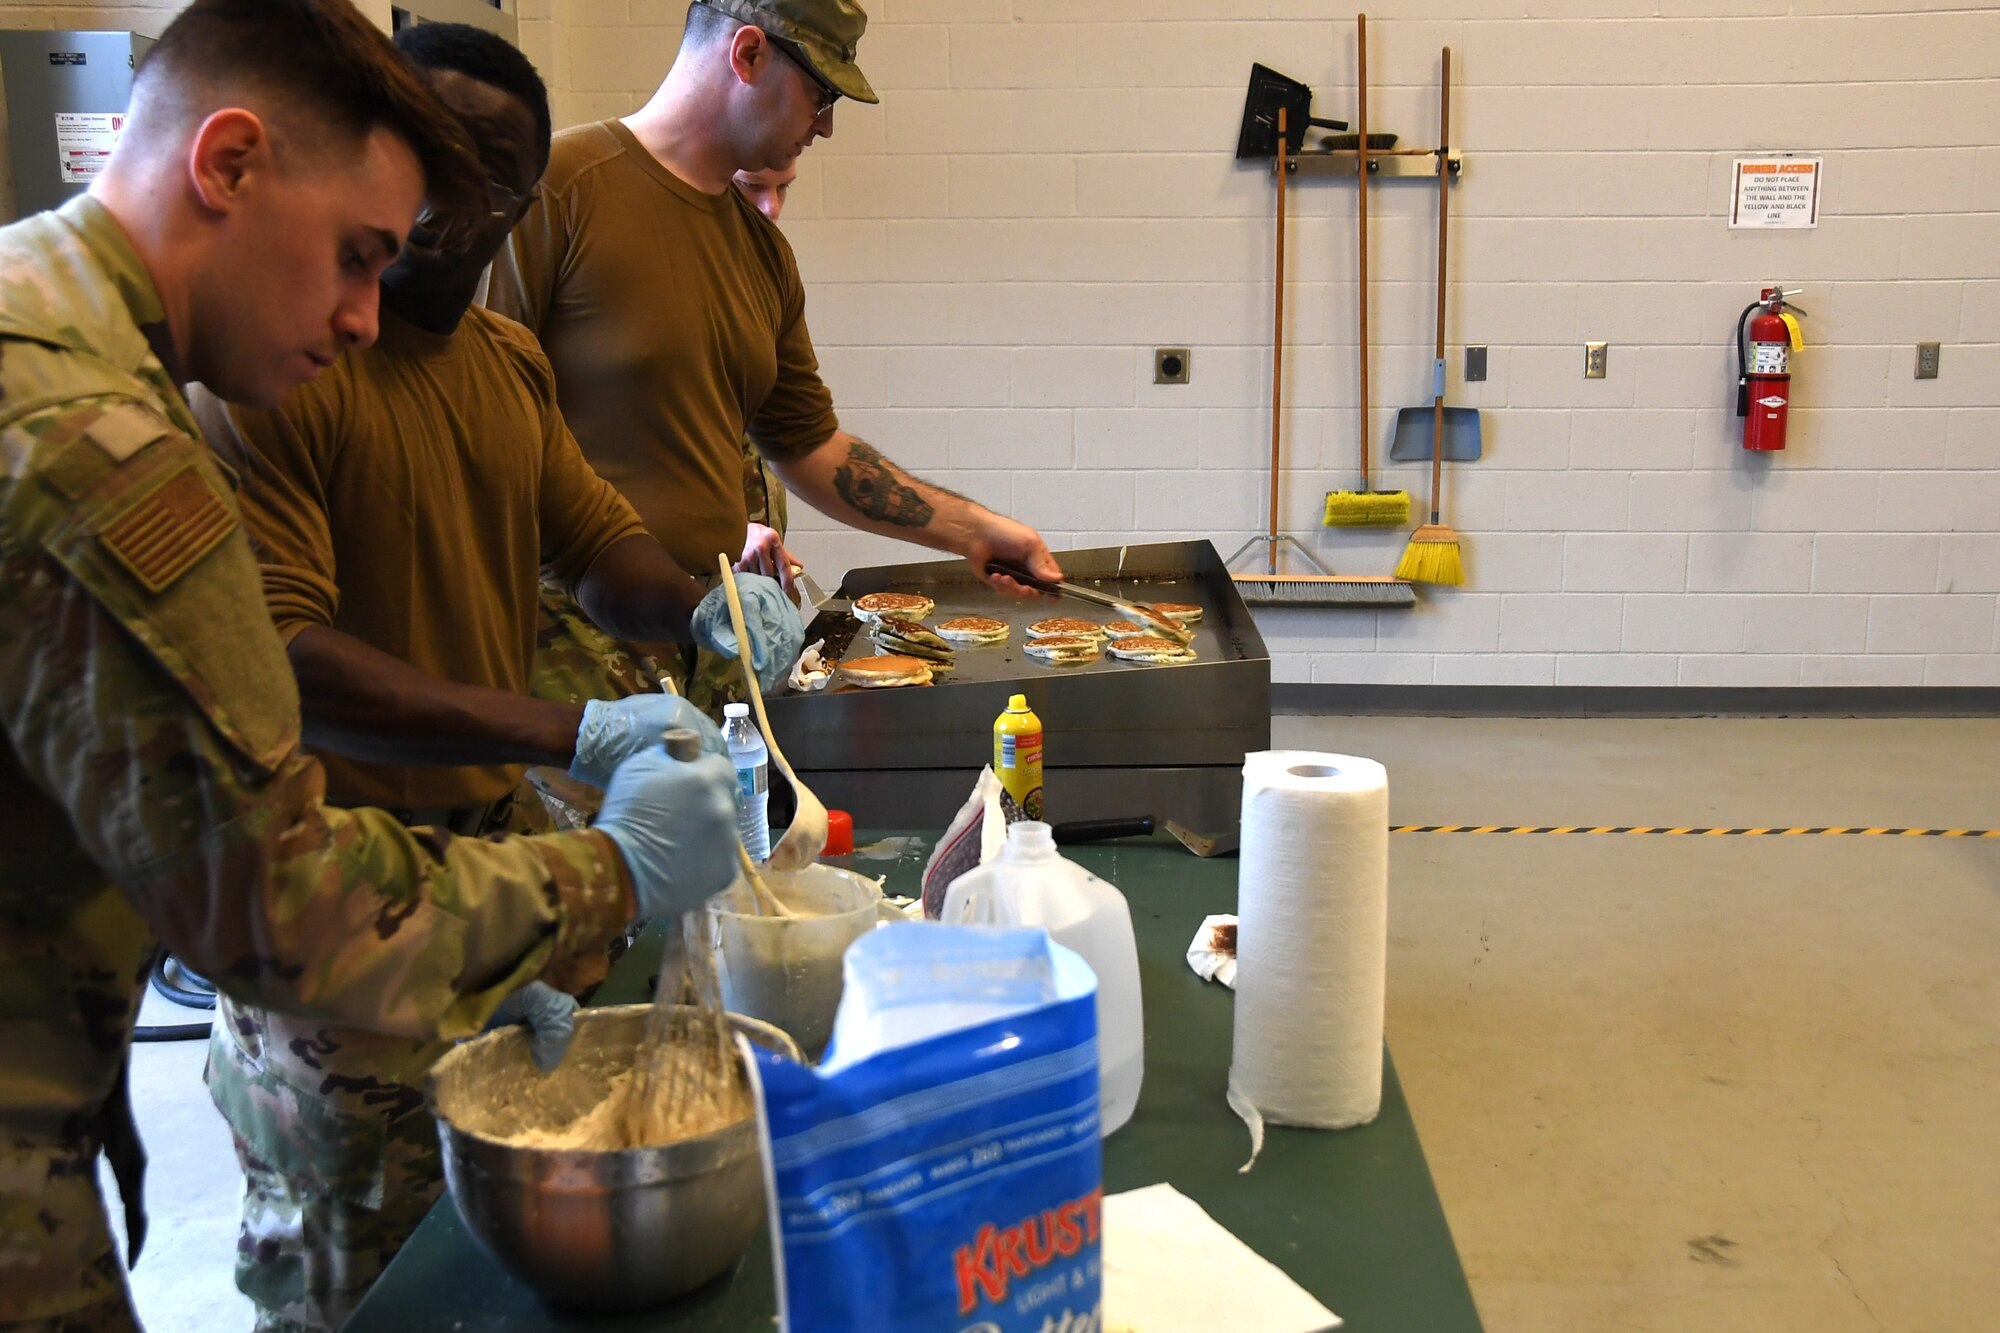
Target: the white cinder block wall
pixel 1047 193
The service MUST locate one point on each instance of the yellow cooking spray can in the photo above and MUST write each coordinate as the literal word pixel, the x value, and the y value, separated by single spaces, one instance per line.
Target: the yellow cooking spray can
pixel 1017 755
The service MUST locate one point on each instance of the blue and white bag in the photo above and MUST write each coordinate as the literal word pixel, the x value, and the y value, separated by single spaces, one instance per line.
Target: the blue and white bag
pixel 941 1169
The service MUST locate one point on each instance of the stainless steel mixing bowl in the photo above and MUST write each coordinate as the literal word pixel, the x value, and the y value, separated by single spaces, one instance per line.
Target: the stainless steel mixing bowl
pixel 618 1230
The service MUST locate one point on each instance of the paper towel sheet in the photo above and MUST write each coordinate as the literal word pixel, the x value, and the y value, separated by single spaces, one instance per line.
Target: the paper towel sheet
pixel 1311 941
pixel 1171 1268
pixel 1209 962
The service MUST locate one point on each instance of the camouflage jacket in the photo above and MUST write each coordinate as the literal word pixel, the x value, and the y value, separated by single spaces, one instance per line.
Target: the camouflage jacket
pixel 152 783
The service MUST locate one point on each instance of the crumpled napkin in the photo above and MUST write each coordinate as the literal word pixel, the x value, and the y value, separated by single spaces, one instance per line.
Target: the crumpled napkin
pixel 812 671
pixel 1212 953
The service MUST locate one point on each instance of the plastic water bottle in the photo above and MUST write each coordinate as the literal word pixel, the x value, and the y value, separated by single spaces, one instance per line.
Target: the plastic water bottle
pixel 1030 884
pixel 753 778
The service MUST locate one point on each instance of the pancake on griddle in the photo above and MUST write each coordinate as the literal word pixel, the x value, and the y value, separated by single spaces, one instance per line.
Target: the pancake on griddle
pixel 1064 649
pixel 975 629
pixel 884 672
pixel 892 634
pixel 1127 629
pixel 904 605
pixel 1150 648
pixel 1066 627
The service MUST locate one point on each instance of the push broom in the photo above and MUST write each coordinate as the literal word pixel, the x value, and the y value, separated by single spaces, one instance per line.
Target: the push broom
pixel 1367 507
pixel 1432 555
pixel 1323 588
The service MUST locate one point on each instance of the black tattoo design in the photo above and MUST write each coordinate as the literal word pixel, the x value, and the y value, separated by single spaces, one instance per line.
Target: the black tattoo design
pixel 879 489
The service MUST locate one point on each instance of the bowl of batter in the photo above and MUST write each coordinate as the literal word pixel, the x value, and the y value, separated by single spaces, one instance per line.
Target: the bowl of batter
pixel 545 1172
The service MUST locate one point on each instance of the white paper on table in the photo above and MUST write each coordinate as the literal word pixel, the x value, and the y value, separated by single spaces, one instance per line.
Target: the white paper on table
pixel 1210 963
pixel 1171 1268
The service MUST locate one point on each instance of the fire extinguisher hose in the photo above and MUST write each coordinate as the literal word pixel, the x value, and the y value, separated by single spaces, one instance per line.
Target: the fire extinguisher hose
pixel 1743 358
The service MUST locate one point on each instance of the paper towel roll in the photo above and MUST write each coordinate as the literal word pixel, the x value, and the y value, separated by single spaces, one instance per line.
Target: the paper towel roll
pixel 1313 907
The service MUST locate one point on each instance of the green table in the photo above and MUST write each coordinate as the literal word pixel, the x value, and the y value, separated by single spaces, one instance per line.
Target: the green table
pixel 1351 1215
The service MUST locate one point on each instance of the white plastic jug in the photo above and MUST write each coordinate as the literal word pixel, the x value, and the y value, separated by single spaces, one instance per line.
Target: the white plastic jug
pixel 1030 884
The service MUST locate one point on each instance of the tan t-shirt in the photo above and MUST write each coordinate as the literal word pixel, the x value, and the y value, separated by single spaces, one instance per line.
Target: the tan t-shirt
pixel 411 497
pixel 675 321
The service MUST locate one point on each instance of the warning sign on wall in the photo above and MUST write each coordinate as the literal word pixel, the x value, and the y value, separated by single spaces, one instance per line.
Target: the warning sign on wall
pixel 84 141
pixel 1776 194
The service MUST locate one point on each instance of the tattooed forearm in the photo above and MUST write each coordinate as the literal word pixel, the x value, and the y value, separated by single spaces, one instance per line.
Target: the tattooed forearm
pixel 879 489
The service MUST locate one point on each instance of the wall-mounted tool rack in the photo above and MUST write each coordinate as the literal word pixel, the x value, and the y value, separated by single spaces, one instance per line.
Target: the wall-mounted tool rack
pixel 1383 163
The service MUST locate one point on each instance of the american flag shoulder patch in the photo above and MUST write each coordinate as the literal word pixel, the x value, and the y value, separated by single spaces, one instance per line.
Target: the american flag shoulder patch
pixel 163 536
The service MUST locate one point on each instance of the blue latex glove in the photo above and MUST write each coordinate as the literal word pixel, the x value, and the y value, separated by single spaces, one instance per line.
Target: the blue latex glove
pixel 776 633
pixel 613 732
pixel 550 1018
pixel 675 823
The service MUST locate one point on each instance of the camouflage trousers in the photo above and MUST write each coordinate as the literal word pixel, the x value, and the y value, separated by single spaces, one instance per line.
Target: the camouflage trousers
pixel 339 1153
pixel 50 1204
pixel 764 497
pixel 576 661
pixel 339 1156
pixel 306 1257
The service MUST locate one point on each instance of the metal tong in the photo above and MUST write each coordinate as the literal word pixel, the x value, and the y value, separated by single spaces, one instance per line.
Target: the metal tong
pixel 1168 627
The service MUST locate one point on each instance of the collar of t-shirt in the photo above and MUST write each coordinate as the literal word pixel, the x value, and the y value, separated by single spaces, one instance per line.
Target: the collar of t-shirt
pixel 651 166
pixel 403 338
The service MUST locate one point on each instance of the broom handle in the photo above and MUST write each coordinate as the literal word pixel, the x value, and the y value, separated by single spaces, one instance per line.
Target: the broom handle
pixel 1361 194
pixel 1444 213
pixel 1277 355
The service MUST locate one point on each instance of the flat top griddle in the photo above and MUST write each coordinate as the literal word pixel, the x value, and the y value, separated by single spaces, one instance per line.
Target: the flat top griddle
pixel 1107 713
pixel 1219 637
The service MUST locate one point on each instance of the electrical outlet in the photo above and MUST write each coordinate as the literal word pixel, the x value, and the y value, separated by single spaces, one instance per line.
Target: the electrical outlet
pixel 1927 361
pixel 1172 365
pixel 1475 364
pixel 1595 357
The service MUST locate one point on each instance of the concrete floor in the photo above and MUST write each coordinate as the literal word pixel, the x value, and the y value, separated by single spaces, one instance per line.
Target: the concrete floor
pixel 1664 1083
pixel 1715 1083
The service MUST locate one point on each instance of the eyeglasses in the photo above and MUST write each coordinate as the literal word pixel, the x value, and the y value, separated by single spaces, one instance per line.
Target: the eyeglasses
pixel 433 235
pixel 828 94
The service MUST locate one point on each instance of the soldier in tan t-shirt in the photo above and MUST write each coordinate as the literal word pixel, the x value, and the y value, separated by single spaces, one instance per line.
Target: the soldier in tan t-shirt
pixel 674 313
pixel 763 494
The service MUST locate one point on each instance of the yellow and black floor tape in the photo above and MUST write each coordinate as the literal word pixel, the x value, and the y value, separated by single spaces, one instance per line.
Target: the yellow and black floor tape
pixel 1702 832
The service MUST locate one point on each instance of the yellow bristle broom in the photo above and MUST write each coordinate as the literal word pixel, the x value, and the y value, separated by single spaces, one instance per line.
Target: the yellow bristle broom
pixel 1433 553
pixel 1367 507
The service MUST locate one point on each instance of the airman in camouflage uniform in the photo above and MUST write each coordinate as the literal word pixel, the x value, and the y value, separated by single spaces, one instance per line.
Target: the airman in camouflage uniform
pixel 152 786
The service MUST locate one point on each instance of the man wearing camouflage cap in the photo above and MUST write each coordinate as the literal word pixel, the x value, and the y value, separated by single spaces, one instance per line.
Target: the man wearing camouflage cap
pixel 152 789
pixel 674 314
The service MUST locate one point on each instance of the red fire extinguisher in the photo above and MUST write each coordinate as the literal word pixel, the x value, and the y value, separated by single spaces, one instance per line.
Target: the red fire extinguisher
pixel 1764 368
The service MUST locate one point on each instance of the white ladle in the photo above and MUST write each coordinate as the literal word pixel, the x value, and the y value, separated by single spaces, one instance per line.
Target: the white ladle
pixel 806 838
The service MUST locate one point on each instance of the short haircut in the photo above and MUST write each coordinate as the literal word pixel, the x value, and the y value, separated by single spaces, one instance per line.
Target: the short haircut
pixel 482 55
pixel 705 26
pixel 327 70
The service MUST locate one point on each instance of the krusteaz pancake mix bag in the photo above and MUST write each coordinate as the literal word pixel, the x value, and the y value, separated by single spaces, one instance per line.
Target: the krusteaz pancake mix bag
pixel 941 1170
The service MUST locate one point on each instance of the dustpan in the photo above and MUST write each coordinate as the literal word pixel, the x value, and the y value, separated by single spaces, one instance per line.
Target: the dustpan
pixel 1412 441
pixel 1270 94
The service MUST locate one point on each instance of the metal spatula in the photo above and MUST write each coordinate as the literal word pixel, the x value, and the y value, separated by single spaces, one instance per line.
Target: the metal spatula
pixel 1202 845
pixel 1168 627
pixel 816 596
